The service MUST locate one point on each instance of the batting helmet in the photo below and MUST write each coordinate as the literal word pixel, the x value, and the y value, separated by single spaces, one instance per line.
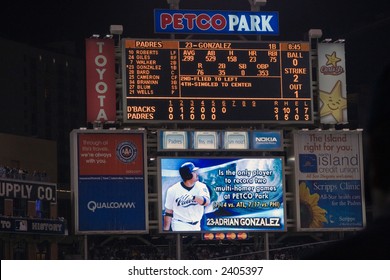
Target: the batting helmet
pixel 186 170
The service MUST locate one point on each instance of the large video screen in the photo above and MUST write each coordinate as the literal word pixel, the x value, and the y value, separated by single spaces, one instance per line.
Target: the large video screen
pixel 220 194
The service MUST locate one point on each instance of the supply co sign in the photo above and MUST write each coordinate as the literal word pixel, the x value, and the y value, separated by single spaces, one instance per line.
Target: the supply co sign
pixel 216 22
pixel 28 190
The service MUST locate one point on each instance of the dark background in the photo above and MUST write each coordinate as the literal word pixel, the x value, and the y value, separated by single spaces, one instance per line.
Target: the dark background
pixel 46 21
pixel 363 24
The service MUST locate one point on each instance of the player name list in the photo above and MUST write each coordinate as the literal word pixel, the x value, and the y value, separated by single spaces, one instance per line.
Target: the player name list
pixel 217 80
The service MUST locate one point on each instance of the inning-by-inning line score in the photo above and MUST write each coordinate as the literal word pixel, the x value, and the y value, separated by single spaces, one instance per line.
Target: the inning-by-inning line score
pixel 216 81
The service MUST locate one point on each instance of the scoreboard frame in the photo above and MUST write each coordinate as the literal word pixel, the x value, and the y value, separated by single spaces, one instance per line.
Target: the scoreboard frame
pixel 206 81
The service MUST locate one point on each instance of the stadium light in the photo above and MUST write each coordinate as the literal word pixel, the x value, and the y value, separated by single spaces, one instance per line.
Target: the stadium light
pixel 258 2
pixel 116 29
pixel 173 4
pixel 315 33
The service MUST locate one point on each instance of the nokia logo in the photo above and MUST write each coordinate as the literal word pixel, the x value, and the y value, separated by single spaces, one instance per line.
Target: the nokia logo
pixel 266 139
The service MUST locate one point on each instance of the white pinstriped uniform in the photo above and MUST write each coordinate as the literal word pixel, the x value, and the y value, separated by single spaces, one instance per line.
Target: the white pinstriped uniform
pixel 186 212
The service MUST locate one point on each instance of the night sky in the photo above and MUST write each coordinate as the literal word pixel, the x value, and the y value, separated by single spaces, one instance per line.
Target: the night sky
pixel 46 21
pixel 363 24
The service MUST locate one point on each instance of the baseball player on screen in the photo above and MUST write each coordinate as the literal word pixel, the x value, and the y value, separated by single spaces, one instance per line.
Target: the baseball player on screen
pixel 185 201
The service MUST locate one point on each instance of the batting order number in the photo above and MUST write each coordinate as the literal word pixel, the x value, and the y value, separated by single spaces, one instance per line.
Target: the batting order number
pixel 242 270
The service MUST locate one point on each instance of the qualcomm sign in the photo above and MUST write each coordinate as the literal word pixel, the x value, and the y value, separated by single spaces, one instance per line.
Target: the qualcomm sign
pixel 216 22
pixel 93 205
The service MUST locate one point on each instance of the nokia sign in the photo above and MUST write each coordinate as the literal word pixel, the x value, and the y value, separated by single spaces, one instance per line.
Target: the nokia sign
pixel 216 22
pixel 267 140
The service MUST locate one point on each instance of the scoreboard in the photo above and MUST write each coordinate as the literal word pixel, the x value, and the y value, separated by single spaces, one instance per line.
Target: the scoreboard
pixel 216 81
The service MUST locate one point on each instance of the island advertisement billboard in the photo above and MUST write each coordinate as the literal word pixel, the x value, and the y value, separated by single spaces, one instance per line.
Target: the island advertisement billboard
pixel 329 180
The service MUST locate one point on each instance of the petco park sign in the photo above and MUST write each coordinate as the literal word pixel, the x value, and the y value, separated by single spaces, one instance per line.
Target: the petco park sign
pixel 216 22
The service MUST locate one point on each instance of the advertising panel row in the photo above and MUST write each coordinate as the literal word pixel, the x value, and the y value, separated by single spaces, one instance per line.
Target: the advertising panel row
pixel 216 194
pixel 214 140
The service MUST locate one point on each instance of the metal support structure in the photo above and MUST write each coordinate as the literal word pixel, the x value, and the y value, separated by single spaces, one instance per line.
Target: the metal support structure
pixel 255 7
pixel 266 245
pixel 255 4
pixel 117 31
pixel 314 36
pixel 85 247
pixel 178 246
pixel 173 5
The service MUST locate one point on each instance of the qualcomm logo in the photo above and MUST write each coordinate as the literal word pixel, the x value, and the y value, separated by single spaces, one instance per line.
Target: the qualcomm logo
pixel 93 205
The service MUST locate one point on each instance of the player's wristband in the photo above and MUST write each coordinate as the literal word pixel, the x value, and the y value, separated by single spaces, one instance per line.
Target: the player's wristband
pixel 169 214
pixel 204 200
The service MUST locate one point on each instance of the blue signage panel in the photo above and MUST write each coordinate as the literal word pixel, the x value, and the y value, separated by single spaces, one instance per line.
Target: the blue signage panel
pixel 267 140
pixel 216 22
pixel 111 204
pixel 33 226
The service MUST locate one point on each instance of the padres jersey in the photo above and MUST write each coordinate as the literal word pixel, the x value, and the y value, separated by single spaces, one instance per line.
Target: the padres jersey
pixel 179 199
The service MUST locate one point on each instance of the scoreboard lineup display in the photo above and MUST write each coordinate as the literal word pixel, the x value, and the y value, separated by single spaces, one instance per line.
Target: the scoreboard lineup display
pixel 216 81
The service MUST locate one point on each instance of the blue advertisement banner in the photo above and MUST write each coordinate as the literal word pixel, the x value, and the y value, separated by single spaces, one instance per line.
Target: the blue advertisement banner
pixel 246 194
pixel 111 203
pixel 267 140
pixel 216 22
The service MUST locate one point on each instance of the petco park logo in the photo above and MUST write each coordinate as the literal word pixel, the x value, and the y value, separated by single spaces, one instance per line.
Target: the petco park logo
pixel 222 22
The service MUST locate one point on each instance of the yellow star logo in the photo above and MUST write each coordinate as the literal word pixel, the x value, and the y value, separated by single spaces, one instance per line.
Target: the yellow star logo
pixel 333 103
pixel 332 59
